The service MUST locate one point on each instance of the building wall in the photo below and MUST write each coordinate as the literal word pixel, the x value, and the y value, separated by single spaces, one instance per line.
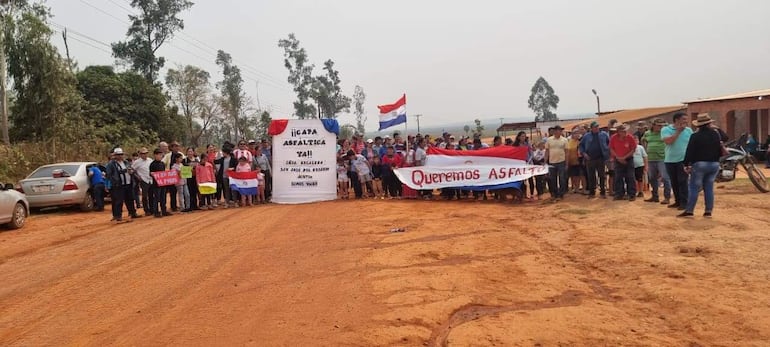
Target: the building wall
pixel 735 116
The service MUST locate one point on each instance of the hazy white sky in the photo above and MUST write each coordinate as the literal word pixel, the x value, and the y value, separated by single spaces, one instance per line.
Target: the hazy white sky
pixel 460 60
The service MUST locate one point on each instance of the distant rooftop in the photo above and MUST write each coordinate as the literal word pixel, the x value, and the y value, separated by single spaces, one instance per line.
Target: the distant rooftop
pixel 752 94
pixel 627 116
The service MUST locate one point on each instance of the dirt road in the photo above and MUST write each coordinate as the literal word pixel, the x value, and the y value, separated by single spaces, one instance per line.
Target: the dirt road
pixel 331 274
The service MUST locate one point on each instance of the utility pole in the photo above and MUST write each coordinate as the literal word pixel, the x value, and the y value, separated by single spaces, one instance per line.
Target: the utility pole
pixel 418 122
pixel 258 104
pixel 598 107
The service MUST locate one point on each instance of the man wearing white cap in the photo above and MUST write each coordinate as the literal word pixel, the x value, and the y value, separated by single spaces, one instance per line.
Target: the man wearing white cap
pixel 119 173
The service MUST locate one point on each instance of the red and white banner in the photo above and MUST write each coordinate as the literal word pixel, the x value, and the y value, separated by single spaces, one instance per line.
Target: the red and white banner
pixel 166 178
pixel 486 167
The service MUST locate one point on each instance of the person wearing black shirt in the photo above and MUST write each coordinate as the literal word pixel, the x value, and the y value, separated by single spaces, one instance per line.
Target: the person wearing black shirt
pixel 158 196
pixel 119 174
pixel 701 161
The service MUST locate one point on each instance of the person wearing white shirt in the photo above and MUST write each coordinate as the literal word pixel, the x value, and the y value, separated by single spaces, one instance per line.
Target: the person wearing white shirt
pixel 141 168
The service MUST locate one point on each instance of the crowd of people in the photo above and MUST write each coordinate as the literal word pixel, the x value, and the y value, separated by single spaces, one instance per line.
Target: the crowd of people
pixel 202 182
pixel 672 161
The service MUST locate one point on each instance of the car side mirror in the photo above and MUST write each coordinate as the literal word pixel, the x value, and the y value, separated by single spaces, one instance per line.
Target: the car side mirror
pixel 8 186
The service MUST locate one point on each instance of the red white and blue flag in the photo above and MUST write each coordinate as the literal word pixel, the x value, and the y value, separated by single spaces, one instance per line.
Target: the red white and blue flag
pixel 393 114
pixel 244 183
pixel 483 169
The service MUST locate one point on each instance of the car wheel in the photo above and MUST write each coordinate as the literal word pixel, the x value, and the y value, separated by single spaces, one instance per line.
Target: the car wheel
pixel 88 203
pixel 19 216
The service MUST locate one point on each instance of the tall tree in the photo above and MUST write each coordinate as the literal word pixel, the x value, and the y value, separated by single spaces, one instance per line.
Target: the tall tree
pixel 47 105
pixel 189 89
pixel 543 101
pixel 300 75
pixel 125 106
pixel 156 23
pixel 8 8
pixel 263 124
pixel 327 93
pixel 359 98
pixel 231 88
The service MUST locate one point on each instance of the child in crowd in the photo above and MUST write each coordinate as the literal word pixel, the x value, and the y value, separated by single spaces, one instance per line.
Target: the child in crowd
pixel 377 177
pixel 204 173
pixel 538 158
pixel 182 193
pixel 364 172
pixel 244 166
pixel 260 186
pixel 342 178
pixel 640 169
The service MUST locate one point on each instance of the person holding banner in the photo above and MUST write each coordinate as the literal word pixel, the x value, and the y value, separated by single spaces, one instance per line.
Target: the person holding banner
pixel 244 166
pixel 391 161
pixel 182 192
pixel 158 196
pixel 207 183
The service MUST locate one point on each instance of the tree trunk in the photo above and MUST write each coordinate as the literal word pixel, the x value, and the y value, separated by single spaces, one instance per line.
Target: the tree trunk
pixel 4 96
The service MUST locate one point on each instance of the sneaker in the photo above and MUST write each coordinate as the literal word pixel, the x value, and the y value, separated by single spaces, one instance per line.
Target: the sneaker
pixel 166 214
pixel 631 198
pixel 707 214
pixel 685 214
pixel 640 195
pixel 674 205
pixel 652 200
pixel 665 201
pixel 135 216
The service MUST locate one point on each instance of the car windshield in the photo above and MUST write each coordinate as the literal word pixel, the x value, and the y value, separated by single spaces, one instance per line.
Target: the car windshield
pixel 47 171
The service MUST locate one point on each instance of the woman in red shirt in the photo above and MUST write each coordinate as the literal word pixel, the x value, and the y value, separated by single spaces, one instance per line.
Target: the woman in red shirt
pixel 391 160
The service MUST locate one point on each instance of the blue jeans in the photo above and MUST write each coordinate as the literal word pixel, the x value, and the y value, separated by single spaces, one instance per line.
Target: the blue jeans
pixel 702 177
pixel 558 177
pixel 679 184
pixel 183 197
pixel 625 182
pixel 659 168
pixel 98 194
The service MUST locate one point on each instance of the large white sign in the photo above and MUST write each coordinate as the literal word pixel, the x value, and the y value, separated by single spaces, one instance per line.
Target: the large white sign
pixel 304 161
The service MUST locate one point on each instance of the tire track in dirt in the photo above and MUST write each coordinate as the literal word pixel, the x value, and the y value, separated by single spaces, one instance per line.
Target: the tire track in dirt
pixel 473 312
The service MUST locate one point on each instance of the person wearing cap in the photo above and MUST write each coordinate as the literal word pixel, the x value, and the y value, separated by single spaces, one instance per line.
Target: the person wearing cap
pixel 243 152
pixel 368 151
pixel 701 161
pixel 158 196
pixel 656 166
pixel 595 149
pixel 141 168
pixel 119 173
pixel 556 158
pixel 676 136
pixel 622 148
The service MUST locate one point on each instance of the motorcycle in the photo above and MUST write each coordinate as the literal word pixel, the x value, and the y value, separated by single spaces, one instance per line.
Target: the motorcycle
pixel 737 154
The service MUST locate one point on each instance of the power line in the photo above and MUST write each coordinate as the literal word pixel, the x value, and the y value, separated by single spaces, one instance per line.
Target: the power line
pixel 245 73
pixel 261 75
